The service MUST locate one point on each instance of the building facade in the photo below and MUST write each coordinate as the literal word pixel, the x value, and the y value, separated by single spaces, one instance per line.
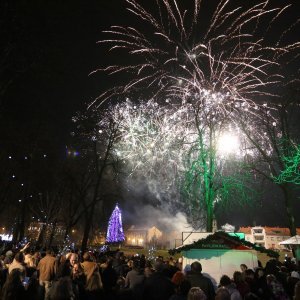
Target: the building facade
pixel 268 237
pixel 152 236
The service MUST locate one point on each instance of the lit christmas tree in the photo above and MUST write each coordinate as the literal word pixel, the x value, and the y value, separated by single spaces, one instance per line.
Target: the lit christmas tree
pixel 115 232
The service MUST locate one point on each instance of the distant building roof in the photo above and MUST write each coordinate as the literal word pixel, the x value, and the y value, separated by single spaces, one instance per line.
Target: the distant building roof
pixel 282 231
pixel 246 230
pixel 136 228
pixel 277 231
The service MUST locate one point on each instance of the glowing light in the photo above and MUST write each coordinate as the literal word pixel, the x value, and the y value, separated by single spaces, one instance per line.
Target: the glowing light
pixel 115 232
pixel 6 237
pixel 228 144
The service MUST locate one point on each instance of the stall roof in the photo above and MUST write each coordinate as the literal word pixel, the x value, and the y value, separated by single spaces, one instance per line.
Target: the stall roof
pixel 222 240
pixel 294 240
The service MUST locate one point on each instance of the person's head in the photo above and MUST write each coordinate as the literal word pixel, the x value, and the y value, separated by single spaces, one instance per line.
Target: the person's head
pixel 29 261
pixel 259 272
pixel 196 267
pixel 237 277
pixel 9 254
pixel 49 252
pixel 62 290
pixel 222 294
pixel 37 255
pixel 195 293
pixel 94 283
pixel 19 257
pixel 109 262
pixel 64 269
pixel 12 285
pixel 249 274
pixel 177 278
pixel 130 263
pixel 86 256
pixel 15 277
pixel 187 269
pixel 171 261
pixel 158 265
pixel 243 267
pixel 148 271
pixel 73 259
pixel 225 281
pixel 77 269
pixel 295 274
pixel 136 264
pixel 68 255
pixel 270 278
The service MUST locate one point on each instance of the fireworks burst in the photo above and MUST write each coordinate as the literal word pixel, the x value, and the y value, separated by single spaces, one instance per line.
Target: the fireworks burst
pixel 202 71
pixel 156 141
pixel 209 66
pixel 152 139
pixel 183 57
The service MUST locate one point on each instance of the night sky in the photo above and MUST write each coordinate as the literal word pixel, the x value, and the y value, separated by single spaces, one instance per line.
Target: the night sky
pixel 56 44
pixel 51 48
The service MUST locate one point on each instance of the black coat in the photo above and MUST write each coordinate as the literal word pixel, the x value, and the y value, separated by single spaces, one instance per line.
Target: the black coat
pixel 158 287
pixel 198 280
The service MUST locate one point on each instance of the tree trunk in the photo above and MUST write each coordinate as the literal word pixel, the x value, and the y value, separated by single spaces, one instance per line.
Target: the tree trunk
pixel 41 236
pixel 52 235
pixel 16 231
pixel 67 231
pixel 22 223
pixel 87 227
pixel 288 205
pixel 209 219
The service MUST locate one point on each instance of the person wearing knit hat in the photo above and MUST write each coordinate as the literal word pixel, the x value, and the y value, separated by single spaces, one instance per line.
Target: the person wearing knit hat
pixel 295 274
pixel 8 258
pixel 187 269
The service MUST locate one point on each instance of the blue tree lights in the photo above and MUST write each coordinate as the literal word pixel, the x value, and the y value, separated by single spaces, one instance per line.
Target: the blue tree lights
pixel 115 232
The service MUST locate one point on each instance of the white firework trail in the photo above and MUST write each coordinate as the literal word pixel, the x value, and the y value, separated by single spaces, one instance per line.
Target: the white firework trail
pixel 210 69
pixel 181 54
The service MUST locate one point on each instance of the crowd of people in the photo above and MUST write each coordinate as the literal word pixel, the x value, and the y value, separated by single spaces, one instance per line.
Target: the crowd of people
pixel 37 275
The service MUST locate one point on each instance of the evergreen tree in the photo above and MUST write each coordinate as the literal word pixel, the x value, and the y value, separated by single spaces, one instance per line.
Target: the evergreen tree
pixel 115 232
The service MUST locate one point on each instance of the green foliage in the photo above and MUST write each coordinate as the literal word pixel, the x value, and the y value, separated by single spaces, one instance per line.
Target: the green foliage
pixel 211 182
pixel 199 183
pixel 291 173
pixel 236 189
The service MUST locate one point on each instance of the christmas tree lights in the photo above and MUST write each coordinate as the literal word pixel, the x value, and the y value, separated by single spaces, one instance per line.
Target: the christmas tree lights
pixel 291 173
pixel 115 232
